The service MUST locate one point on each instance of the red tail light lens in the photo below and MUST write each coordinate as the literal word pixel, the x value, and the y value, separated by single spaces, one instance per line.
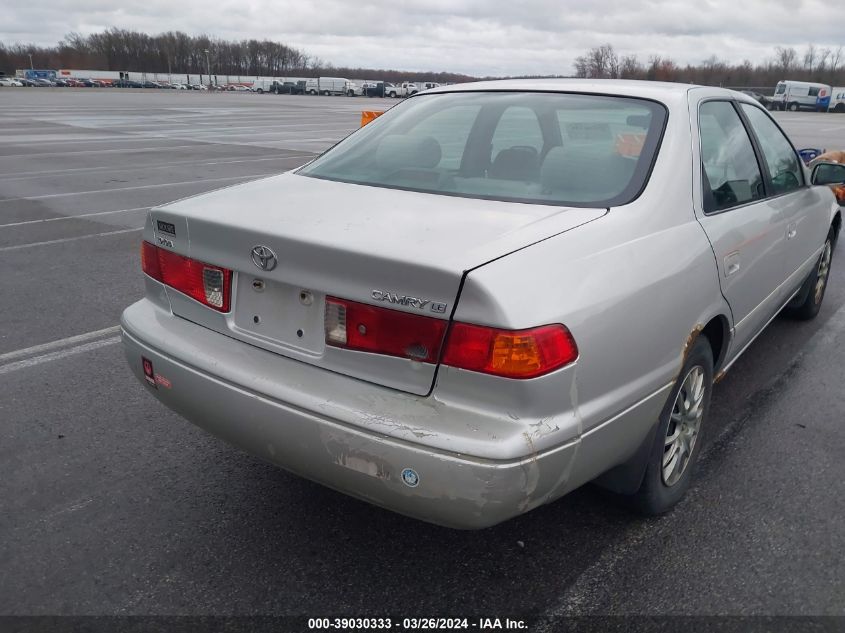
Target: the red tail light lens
pixel 210 285
pixel 365 328
pixel 507 353
pixel 510 353
pixel 149 261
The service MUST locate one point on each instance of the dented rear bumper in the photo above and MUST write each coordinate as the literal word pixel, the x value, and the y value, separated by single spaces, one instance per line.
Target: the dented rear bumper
pixel 312 422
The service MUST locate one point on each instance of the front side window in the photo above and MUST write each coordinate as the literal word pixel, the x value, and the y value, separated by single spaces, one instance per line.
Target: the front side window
pixel 781 160
pixel 536 147
pixel 731 174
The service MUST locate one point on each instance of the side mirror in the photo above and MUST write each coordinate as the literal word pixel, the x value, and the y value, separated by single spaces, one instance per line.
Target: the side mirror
pixel 828 174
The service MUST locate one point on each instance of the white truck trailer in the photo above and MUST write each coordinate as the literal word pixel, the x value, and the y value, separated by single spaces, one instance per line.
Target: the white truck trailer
pixel 327 86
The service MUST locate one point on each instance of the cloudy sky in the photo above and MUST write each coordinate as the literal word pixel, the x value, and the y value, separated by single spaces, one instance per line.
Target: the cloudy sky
pixel 477 37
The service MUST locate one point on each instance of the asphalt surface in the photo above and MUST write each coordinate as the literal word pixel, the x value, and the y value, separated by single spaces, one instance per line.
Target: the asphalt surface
pixel 110 504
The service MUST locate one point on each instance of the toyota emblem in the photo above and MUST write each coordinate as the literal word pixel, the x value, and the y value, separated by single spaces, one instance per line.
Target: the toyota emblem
pixel 264 257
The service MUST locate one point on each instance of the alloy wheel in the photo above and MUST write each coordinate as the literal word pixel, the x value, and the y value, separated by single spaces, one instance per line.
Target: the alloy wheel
pixel 684 424
pixel 823 272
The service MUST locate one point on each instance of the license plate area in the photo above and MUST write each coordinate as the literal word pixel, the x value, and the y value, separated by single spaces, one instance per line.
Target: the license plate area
pixel 280 313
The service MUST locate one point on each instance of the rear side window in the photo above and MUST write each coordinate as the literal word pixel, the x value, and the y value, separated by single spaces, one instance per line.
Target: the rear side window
pixel 781 160
pixel 731 174
pixel 537 147
pixel 517 127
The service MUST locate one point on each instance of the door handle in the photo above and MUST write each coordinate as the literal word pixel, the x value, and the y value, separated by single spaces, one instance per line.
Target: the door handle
pixel 791 230
pixel 731 263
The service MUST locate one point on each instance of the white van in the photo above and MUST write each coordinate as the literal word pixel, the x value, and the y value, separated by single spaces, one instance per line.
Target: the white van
pixel 837 99
pixel 795 95
pixel 327 86
pixel 266 85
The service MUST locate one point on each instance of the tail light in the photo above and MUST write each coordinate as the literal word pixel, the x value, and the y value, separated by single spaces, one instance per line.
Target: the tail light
pixel 510 353
pixel 210 285
pixel 365 328
pixel 507 353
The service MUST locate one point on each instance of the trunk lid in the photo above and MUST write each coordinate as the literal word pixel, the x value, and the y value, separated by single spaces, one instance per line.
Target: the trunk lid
pixel 350 241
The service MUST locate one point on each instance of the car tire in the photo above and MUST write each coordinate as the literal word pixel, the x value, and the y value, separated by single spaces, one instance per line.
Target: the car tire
pixel 392 95
pixel 794 107
pixel 840 107
pixel 669 471
pixel 808 301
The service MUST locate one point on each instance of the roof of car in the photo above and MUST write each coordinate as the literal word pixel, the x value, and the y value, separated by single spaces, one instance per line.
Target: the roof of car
pixel 652 89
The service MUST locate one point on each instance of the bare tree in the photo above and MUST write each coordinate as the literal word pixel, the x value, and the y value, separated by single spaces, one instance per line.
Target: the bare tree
pixel 823 57
pixel 582 66
pixel 631 68
pixel 600 62
pixel 835 59
pixel 787 58
pixel 810 57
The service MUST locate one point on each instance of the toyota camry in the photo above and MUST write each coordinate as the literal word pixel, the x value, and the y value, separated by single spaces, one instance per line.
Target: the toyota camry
pixel 489 296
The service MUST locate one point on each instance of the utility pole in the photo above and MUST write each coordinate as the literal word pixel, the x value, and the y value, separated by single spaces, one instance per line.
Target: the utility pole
pixel 208 67
pixel 31 67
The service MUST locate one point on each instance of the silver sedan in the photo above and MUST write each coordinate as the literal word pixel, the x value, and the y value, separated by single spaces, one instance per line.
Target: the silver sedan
pixel 489 296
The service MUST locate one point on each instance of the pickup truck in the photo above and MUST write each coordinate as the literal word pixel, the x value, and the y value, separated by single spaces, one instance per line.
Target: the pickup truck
pixel 405 89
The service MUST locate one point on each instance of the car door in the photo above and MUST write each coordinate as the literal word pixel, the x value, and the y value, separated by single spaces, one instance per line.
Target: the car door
pixel 747 233
pixel 804 210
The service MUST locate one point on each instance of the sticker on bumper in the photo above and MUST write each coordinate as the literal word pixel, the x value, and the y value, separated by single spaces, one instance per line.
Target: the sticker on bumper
pixel 410 478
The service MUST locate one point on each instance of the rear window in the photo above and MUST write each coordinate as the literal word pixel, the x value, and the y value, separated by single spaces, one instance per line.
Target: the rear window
pixel 551 148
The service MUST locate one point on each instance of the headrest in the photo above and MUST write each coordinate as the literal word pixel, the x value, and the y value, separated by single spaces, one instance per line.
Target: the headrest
pixel 604 173
pixel 515 163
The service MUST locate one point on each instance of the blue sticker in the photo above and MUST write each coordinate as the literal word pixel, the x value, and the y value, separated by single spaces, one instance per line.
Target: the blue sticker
pixel 410 477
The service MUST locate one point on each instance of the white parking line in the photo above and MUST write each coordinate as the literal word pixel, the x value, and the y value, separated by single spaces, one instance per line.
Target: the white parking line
pixel 74 217
pixel 63 342
pixel 17 247
pixel 228 160
pixel 46 358
pixel 137 187
pixel 122 150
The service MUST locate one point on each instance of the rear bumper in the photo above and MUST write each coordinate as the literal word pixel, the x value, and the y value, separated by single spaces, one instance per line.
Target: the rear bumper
pixel 237 392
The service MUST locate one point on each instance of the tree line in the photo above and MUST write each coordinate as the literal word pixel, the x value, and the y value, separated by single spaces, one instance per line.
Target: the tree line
pixel 177 52
pixel 174 51
pixel 823 65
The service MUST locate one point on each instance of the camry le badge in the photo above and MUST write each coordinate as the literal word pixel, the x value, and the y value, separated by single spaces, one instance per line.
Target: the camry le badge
pixel 405 300
pixel 264 257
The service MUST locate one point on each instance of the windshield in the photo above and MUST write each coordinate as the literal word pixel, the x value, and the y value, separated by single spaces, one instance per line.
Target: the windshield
pixel 780 89
pixel 553 148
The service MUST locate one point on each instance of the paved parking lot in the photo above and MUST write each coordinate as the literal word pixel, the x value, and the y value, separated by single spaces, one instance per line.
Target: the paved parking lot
pixel 110 504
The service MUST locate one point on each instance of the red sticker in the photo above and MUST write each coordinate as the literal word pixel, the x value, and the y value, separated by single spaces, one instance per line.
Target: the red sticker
pixel 149 375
